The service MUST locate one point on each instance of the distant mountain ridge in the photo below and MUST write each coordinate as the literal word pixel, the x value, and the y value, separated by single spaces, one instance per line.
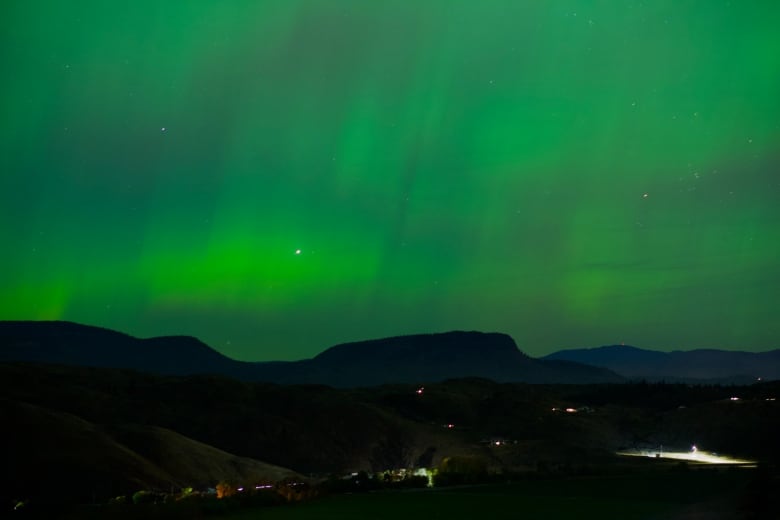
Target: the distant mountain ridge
pixel 68 343
pixel 700 365
pixel 404 359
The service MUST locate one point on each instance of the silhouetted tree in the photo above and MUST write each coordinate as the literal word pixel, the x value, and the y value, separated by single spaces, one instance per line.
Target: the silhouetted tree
pixel 392 451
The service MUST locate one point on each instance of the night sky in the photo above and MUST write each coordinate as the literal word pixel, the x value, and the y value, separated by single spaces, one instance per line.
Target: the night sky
pixel 278 176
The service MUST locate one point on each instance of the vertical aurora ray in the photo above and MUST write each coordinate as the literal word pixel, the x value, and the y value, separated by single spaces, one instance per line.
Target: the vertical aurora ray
pixel 572 173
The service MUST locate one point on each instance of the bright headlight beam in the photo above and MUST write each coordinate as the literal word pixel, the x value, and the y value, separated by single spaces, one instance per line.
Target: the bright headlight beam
pixel 695 455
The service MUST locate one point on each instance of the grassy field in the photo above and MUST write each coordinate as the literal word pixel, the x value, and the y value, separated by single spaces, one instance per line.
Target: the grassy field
pixel 662 495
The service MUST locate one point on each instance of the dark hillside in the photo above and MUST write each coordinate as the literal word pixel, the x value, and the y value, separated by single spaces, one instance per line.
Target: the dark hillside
pixel 307 428
pixel 64 458
pixel 60 456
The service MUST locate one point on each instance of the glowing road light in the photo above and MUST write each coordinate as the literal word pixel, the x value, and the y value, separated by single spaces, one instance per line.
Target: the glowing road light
pixel 694 455
pixel 420 390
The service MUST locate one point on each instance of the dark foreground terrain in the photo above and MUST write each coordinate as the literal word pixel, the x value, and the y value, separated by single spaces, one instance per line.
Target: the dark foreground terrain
pixel 670 495
pixel 79 436
pixel 651 491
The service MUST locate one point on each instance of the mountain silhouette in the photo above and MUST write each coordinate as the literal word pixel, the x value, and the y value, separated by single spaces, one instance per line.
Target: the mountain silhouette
pixel 436 357
pixel 68 343
pixel 701 365
pixel 405 359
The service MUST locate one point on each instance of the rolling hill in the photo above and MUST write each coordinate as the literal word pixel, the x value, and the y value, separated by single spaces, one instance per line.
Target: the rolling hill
pixel 59 456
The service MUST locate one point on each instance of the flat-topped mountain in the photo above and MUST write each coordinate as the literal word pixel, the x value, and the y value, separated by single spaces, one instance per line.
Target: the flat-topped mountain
pixel 436 357
pixel 693 365
pixel 405 359
pixel 431 357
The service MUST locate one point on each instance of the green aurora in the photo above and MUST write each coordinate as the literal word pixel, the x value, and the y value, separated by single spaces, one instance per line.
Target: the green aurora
pixel 278 176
